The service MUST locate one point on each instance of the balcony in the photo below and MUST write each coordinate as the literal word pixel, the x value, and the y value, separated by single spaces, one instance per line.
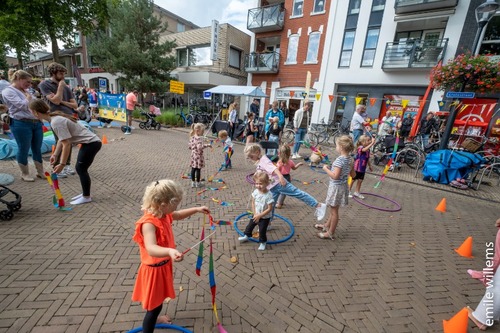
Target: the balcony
pixel 412 6
pixel 268 18
pixel 415 54
pixel 262 62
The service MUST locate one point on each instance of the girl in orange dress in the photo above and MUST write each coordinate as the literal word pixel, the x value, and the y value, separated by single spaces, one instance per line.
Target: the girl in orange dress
pixel 154 235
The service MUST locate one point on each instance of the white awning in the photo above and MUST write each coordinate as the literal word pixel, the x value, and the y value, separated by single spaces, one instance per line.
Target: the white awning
pixel 238 91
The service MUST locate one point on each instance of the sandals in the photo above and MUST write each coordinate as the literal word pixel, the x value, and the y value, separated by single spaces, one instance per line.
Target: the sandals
pixel 163 320
pixel 326 235
pixel 476 322
pixel 320 227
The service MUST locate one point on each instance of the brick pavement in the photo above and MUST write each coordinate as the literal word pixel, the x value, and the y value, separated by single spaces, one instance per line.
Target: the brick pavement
pixel 387 272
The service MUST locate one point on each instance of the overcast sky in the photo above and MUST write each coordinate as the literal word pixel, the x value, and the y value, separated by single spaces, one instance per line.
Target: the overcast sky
pixel 202 12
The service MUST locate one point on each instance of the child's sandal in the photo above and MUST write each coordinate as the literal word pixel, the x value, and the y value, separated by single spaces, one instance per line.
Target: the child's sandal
pixel 326 235
pixel 320 227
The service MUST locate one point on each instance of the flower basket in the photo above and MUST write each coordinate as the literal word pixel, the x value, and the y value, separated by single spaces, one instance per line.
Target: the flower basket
pixel 476 72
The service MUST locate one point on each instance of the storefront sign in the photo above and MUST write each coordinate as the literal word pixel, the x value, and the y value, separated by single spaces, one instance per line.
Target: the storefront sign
pixel 295 94
pixel 214 40
pixel 455 94
pixel 96 70
pixel 177 87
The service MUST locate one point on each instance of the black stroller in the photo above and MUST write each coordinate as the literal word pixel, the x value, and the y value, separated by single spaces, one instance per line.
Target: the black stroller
pixel 12 206
pixel 383 150
pixel 150 122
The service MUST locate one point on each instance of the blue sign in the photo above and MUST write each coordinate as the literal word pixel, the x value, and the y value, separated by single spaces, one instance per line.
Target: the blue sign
pixel 454 94
pixel 103 83
pixel 207 95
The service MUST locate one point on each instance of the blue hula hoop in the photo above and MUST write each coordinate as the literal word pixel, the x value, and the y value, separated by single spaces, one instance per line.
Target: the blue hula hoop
pixel 167 326
pixel 282 240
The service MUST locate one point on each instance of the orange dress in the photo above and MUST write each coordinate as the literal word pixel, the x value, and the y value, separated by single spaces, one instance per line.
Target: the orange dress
pixel 154 284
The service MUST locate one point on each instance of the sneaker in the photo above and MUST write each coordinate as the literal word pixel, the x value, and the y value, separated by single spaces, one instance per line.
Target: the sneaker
pixel 81 200
pixel 62 174
pixel 108 125
pixel 69 170
pixel 350 195
pixel 295 156
pixel 127 133
pixel 321 211
pixel 193 184
pixel 243 238
pixel 262 246
pixel 132 127
pixel 100 126
pixel 361 196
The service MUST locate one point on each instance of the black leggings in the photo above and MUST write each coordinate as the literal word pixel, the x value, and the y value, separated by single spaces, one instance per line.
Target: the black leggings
pixel 84 161
pixel 149 322
pixel 195 174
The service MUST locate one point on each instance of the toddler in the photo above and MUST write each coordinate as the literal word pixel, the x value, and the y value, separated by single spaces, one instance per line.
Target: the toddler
pixel 285 164
pixel 155 237
pixel 278 184
pixel 197 160
pixel 228 149
pixel 262 206
pixel 360 164
pixel 337 189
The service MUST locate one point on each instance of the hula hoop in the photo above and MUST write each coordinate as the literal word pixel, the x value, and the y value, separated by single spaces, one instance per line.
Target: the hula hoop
pixel 249 179
pixel 282 240
pixel 167 326
pixel 397 209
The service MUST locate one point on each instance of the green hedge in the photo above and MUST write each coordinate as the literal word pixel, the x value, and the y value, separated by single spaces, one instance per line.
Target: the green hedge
pixel 167 117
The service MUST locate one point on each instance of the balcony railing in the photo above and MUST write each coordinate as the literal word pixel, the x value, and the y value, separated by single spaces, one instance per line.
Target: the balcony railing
pixel 411 6
pixel 262 62
pixel 268 18
pixel 414 54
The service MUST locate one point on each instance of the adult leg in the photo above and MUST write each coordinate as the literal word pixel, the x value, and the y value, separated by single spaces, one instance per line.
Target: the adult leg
pixel 36 149
pixel 85 158
pixel 488 308
pixel 23 133
pixel 149 321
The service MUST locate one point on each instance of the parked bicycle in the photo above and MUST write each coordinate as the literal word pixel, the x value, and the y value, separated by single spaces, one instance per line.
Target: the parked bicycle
pixel 185 120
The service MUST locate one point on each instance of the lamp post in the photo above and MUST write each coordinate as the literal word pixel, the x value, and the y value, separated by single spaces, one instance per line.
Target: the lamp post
pixel 484 13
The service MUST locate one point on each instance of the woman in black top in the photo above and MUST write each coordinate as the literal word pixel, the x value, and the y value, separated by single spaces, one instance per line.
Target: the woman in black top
pixel 250 128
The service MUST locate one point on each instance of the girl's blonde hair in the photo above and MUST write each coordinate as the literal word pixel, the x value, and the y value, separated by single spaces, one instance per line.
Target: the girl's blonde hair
pixel 262 177
pixel 252 149
pixel 345 143
pixel 19 75
pixel 161 192
pixel 285 153
pixel 362 140
pixel 40 106
pixel 195 127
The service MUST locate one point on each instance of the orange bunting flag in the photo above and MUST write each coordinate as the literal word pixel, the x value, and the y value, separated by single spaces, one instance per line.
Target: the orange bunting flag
pixel 372 101
pixel 330 97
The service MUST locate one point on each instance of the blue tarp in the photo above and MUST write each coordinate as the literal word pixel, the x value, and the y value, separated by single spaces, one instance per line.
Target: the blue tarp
pixel 8 148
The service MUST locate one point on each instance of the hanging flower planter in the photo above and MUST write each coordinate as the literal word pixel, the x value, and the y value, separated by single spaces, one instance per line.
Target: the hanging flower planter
pixel 477 72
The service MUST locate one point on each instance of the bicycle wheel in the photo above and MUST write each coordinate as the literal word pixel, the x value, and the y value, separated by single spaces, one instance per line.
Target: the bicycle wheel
pixel 413 156
pixel 288 137
pixel 313 139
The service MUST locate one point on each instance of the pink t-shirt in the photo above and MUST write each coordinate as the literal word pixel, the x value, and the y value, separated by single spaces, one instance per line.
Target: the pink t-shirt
pixel 131 100
pixel 266 165
pixel 285 168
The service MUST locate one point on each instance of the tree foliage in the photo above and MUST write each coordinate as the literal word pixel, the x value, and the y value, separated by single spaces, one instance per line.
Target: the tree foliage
pixel 26 23
pixel 4 66
pixel 131 47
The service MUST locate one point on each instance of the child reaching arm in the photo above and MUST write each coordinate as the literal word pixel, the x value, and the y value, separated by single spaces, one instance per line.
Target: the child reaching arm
pixel 362 161
pixel 285 164
pixel 155 238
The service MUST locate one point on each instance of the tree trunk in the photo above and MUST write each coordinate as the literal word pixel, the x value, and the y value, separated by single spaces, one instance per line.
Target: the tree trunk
pixel 55 49
pixel 20 64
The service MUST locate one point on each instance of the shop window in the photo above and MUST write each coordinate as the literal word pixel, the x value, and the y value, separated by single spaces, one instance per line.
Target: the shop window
pixel 293 45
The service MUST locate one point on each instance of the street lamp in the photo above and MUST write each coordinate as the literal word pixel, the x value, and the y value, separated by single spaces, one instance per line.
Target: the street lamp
pixel 484 13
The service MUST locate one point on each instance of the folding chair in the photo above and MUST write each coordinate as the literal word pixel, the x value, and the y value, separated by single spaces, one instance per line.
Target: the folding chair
pixel 270 149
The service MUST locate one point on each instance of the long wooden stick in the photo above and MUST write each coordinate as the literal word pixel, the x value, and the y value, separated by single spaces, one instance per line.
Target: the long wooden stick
pixel 195 245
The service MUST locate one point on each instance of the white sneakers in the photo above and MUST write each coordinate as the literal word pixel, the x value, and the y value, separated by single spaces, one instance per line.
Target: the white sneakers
pixel 320 211
pixel 81 200
pixel 357 195
pixel 262 247
pixel 69 170
pixel 243 238
pixel 296 156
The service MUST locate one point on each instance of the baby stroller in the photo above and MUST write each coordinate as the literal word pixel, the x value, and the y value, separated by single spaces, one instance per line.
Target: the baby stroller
pixel 12 206
pixel 150 121
pixel 383 150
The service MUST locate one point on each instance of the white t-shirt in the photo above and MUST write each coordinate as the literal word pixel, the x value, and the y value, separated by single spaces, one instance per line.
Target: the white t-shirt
pixel 262 201
pixel 65 129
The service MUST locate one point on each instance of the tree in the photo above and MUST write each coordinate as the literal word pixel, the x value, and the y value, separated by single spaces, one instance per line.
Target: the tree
pixel 131 47
pixel 4 66
pixel 24 23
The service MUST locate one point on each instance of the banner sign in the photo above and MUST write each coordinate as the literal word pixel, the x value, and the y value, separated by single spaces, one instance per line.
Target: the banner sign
pixel 177 87
pixel 112 106
pixel 214 40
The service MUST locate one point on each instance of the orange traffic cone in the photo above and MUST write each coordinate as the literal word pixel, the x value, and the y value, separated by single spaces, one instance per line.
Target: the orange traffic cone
pixel 442 206
pixel 458 323
pixel 53 149
pixel 104 140
pixel 465 250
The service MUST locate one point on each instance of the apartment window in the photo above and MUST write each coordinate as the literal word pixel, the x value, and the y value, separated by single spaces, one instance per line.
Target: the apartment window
pixel 92 62
pixel 77 40
pixel 313 47
pixel 345 57
pixel 370 47
pixel 319 6
pixel 79 60
pixel 182 58
pixel 293 45
pixel 354 7
pixel 194 56
pixel 180 27
pixel 378 5
pixel 490 44
pixel 298 8
pixel 234 58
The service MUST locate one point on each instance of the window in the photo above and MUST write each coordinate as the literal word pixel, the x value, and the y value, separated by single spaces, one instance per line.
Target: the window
pixel 298 6
pixel 354 7
pixel 194 56
pixel 293 45
pixel 92 62
pixel 313 47
pixel 319 6
pixel 181 27
pixel 345 57
pixel 378 5
pixel 490 44
pixel 234 58
pixel 79 60
pixel 77 40
pixel 370 47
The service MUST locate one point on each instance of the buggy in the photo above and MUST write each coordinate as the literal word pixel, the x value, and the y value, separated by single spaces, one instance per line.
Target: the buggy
pixel 12 205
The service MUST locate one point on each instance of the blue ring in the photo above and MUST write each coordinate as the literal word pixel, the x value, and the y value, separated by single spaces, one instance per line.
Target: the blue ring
pixel 167 326
pixel 282 240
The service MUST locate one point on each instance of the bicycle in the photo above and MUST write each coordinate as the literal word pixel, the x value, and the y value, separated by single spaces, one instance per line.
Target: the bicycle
pixel 186 120
pixel 417 147
pixel 288 137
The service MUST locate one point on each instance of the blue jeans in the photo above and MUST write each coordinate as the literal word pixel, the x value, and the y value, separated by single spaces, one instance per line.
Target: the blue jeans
pixel 356 134
pixel 300 133
pixel 292 191
pixel 28 135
